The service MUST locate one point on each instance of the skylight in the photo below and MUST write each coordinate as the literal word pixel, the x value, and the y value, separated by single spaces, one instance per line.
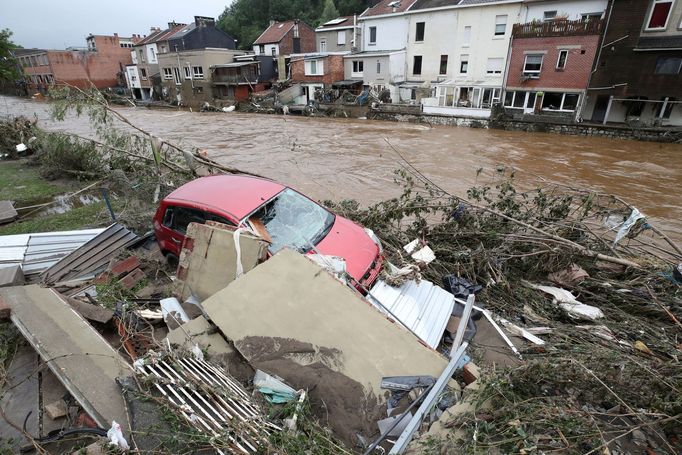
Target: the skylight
pixel 335 21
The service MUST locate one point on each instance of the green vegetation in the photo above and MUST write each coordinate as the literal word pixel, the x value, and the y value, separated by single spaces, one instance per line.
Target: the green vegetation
pixel 22 183
pixel 245 20
pixel 9 71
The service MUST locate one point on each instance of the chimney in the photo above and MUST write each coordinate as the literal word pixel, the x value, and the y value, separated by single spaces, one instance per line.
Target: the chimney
pixel 203 21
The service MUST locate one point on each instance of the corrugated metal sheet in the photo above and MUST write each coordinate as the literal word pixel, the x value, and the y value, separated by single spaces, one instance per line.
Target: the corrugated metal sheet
pixel 91 257
pixel 421 307
pixel 38 251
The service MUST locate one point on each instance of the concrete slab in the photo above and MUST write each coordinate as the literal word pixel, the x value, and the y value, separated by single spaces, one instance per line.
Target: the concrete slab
pixel 11 275
pixel 208 261
pixel 291 318
pixel 75 352
pixel 200 331
pixel 7 212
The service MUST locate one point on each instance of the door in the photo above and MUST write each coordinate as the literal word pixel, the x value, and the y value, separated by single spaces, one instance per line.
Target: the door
pixel 600 107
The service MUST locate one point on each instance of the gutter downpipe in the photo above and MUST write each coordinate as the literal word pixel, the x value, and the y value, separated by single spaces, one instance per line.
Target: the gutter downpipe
pixel 596 61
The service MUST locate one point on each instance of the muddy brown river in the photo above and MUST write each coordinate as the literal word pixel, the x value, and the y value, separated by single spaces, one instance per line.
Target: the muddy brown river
pixel 349 158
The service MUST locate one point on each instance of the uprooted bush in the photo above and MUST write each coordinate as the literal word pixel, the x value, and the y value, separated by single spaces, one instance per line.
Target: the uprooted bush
pixel 581 392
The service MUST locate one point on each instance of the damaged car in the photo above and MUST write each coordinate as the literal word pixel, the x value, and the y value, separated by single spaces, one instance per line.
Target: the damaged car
pixel 279 214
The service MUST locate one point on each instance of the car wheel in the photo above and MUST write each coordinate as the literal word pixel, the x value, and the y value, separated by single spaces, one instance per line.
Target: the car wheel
pixel 172 261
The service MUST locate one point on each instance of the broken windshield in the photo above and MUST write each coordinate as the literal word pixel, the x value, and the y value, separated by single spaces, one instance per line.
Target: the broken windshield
pixel 292 220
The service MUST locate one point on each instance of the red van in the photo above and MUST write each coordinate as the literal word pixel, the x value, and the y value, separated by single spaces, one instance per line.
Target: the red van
pixel 280 214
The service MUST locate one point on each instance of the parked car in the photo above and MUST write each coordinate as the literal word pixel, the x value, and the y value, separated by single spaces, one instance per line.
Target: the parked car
pixel 278 213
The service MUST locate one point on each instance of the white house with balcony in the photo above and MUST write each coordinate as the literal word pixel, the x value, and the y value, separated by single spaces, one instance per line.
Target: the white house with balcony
pixel 381 62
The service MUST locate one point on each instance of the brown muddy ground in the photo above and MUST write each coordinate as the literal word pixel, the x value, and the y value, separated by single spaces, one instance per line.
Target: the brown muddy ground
pixel 349 158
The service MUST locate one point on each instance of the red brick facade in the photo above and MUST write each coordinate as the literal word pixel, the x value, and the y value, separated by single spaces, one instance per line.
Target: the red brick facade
pixel 307 37
pixel 575 75
pixel 332 70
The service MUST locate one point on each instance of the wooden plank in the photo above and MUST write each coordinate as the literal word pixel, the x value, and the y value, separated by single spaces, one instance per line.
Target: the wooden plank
pixel 73 350
pixel 7 212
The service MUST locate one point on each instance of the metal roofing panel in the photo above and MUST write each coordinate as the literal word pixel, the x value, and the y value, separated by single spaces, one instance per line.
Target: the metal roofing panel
pixel 422 307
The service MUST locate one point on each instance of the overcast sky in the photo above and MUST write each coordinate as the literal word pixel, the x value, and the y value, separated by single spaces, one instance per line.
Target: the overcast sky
pixel 56 24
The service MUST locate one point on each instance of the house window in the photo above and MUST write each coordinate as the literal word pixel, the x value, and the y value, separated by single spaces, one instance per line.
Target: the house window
pixel 419 33
pixel 323 46
pixel 549 15
pixel 561 61
pixel 443 64
pixel 143 74
pixel 261 49
pixel 515 100
pixel 586 17
pixel 378 67
pixel 533 65
pixel 557 101
pixel 500 25
pixel 198 72
pixel 660 13
pixel 142 56
pixel 490 97
pixel 151 49
pixel 341 38
pixel 358 68
pixel 464 63
pixel 372 35
pixel 176 75
pixel 188 72
pixel 466 40
pixel 417 65
pixel 163 49
pixel 314 68
pixel 494 66
pixel 167 73
pixel 668 103
pixel 668 65
pixel 296 32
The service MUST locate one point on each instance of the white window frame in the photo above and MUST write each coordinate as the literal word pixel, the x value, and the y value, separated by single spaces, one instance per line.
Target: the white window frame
pixel 563 100
pixel 466 39
pixel 188 72
pixel 323 45
pixel 167 73
pixel 176 75
pixel 197 74
pixel 369 37
pixel 533 73
pixel 318 69
pixel 142 74
pixel 558 59
pixel 378 66
pixel 497 22
pixel 494 72
pixel 667 19
pixel 341 38
pixel 356 64
pixel 415 32
pixel 544 15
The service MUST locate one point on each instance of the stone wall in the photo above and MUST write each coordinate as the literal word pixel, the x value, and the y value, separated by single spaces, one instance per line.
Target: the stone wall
pixel 612 132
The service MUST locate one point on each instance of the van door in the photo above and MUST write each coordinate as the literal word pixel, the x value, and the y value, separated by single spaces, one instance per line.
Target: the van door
pixel 175 222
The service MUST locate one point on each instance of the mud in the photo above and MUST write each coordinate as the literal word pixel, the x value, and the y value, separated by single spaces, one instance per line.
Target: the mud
pixel 336 400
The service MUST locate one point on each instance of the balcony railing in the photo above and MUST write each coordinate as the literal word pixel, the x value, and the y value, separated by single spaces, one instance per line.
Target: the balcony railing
pixel 557 28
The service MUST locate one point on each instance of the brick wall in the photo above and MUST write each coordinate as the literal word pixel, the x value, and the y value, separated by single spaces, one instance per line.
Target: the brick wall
pixel 307 36
pixel 581 53
pixel 333 71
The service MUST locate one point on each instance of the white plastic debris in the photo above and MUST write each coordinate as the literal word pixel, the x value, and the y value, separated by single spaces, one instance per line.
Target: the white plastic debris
pixel 410 247
pixel 197 352
pixel 627 225
pixel 115 436
pixel 336 265
pixel 229 109
pixel 567 301
pixel 171 308
pixel 425 254
pixel 21 147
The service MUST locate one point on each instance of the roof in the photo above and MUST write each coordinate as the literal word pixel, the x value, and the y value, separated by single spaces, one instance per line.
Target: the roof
pixel 388 7
pixel 237 195
pixel 275 32
pixel 339 22
pixel 479 2
pixel 161 35
pixel 427 4
pixel 22 51
pixel 377 53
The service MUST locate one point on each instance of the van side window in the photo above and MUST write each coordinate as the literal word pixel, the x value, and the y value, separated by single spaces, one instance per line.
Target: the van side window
pixel 182 216
pixel 168 217
pixel 219 219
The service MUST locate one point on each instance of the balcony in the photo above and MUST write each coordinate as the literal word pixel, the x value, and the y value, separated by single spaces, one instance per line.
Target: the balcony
pixel 236 73
pixel 557 28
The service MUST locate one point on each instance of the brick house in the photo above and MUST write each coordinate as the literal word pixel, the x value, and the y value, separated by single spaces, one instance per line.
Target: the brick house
pixel 339 35
pixel 284 38
pixel 549 66
pixel 636 76
pixel 102 64
pixel 316 71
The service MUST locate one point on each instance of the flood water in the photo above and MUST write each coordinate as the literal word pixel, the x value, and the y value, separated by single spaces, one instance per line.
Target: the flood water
pixel 350 158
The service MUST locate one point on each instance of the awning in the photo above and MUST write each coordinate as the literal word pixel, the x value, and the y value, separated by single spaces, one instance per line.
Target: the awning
pixel 234 65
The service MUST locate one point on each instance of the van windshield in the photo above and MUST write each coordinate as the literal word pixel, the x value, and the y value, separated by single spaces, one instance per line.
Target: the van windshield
pixel 292 220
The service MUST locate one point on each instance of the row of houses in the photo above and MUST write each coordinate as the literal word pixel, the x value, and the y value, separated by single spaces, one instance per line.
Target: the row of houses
pixel 605 61
pixel 581 60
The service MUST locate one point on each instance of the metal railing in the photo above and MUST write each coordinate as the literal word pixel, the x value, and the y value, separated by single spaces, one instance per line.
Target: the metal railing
pixel 557 28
